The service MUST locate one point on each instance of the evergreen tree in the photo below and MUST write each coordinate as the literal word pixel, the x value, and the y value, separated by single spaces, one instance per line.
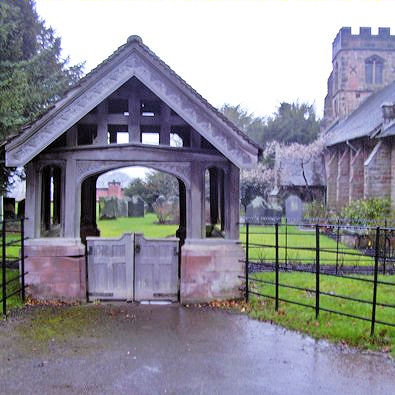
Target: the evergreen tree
pixel 33 75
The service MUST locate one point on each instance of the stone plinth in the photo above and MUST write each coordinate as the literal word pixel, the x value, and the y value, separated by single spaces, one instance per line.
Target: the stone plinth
pixel 56 269
pixel 210 270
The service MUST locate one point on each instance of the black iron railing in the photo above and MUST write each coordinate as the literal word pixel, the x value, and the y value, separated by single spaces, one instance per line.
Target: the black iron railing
pixel 271 254
pixel 12 257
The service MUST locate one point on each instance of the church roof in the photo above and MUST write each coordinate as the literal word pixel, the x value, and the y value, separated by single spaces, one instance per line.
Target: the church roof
pixel 289 172
pixel 133 59
pixel 366 120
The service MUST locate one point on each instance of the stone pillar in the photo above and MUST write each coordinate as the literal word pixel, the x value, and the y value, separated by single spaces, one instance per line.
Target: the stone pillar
pixel 56 269
pixel 343 179
pixel 357 174
pixel 195 223
pixel 211 270
pixel 71 200
pixel 377 175
pixel 30 205
pixel 331 159
pixel 232 205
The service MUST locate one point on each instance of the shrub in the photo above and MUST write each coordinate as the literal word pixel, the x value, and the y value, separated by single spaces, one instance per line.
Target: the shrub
pixel 375 209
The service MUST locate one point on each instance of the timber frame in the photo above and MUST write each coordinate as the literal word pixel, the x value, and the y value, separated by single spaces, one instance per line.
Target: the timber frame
pixel 133 110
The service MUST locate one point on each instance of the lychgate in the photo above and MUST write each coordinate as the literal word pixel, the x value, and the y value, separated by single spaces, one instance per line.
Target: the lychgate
pixel 133 92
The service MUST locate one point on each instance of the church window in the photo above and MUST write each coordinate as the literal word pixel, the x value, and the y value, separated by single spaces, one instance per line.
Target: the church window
pixel 374 70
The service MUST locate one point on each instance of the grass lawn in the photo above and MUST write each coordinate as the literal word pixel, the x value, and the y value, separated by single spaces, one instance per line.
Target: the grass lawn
pixel 147 225
pixel 14 301
pixel 333 327
pixel 299 238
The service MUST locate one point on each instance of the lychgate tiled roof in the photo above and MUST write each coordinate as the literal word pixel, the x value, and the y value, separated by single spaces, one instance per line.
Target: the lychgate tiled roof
pixel 95 74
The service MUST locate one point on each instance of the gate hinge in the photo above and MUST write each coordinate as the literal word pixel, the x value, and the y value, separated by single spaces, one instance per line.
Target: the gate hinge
pixel 137 248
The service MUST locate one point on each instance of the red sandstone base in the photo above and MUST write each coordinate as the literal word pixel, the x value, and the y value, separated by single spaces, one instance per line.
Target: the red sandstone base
pixel 56 269
pixel 210 270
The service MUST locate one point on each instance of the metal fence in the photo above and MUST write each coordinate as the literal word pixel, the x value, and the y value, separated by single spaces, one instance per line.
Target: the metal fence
pixel 281 247
pixel 13 257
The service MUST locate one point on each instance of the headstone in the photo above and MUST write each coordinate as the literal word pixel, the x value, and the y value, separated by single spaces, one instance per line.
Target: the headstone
pixel 108 208
pixel 9 208
pixel 123 207
pixel 136 207
pixel 256 210
pixel 293 209
pixel 259 211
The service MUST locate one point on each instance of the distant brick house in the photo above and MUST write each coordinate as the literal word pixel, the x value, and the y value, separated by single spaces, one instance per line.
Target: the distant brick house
pixel 359 118
pixel 114 189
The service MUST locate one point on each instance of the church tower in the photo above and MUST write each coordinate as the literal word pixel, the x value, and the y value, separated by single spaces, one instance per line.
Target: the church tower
pixel 362 64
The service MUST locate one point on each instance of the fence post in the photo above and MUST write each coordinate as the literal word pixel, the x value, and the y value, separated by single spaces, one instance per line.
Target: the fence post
pixel 276 242
pixel 23 259
pixel 337 245
pixel 247 258
pixel 286 241
pixel 317 271
pixel 3 271
pixel 385 247
pixel 376 266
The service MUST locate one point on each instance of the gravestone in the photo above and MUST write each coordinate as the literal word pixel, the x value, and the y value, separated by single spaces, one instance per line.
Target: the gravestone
pixel 9 208
pixel 123 207
pixel 136 207
pixel 259 211
pixel 256 210
pixel 293 209
pixel 108 207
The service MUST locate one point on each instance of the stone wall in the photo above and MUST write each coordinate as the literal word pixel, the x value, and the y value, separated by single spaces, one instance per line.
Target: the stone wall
pixel 56 269
pixel 210 270
pixel 377 180
pixel 359 170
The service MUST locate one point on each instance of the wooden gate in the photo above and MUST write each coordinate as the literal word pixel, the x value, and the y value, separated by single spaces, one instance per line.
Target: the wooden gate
pixel 156 269
pixel 132 268
pixel 110 268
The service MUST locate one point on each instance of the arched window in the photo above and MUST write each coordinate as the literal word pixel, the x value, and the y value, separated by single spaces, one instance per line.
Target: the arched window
pixel 374 70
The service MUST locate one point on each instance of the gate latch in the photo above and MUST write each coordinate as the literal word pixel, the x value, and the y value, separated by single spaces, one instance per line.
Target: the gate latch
pixel 90 250
pixel 137 248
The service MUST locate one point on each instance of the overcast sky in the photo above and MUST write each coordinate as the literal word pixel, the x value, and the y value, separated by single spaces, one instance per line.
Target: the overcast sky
pixel 256 53
pixel 253 52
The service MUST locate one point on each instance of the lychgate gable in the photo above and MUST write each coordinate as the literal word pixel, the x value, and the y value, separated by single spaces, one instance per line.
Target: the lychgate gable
pixel 133 60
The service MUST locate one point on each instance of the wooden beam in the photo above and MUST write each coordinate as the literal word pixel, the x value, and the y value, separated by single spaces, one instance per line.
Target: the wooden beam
pixel 134 116
pixel 102 125
pixel 165 126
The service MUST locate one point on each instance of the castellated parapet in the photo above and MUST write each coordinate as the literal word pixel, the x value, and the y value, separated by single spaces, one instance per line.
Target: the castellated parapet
pixel 362 64
pixel 365 40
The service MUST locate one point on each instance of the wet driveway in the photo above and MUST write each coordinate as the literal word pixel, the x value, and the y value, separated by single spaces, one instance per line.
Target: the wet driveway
pixel 143 349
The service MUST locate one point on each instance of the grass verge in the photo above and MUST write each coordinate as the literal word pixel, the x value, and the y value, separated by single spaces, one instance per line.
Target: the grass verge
pixel 147 225
pixel 299 238
pixel 13 301
pixel 329 326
